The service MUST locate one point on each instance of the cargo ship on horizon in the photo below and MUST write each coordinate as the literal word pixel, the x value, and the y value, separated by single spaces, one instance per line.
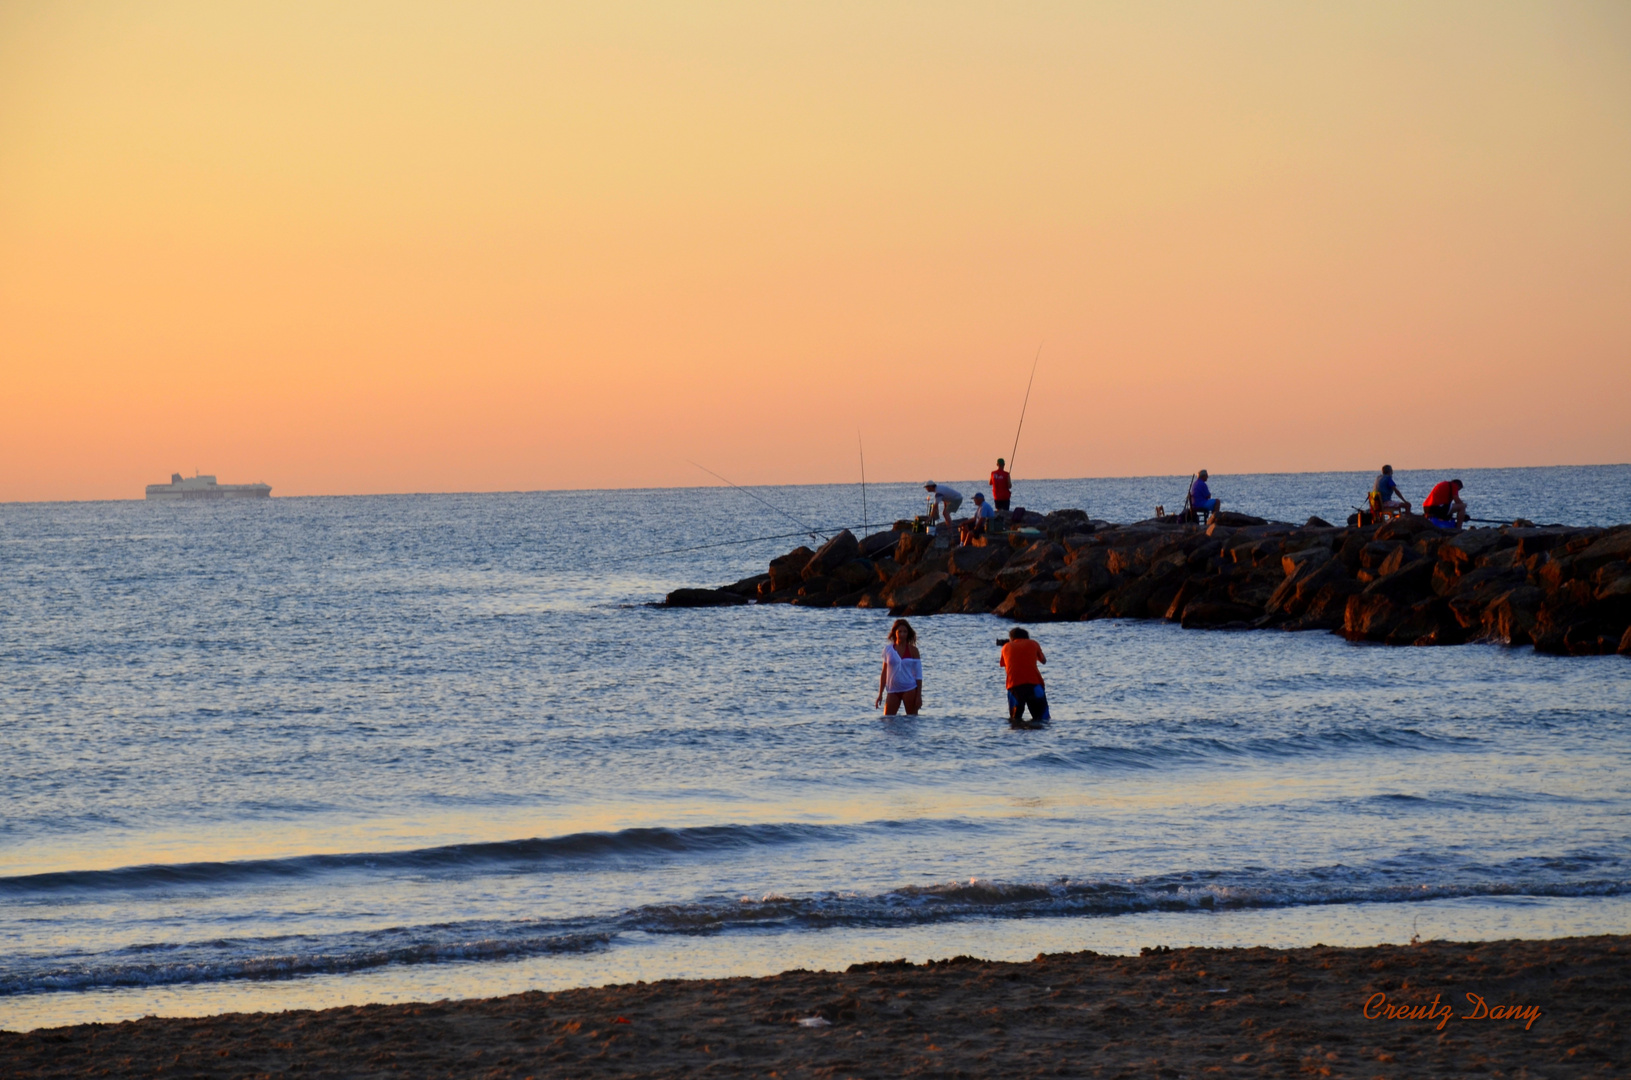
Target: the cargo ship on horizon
pixel 205 487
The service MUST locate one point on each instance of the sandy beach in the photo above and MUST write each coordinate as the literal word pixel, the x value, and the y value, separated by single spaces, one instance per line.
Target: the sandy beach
pixel 1510 1008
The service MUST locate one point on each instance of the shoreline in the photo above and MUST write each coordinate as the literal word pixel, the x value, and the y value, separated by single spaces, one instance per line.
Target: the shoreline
pixel 1217 1012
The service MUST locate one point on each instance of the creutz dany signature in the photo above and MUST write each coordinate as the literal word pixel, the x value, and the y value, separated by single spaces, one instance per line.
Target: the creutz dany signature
pixel 1377 1007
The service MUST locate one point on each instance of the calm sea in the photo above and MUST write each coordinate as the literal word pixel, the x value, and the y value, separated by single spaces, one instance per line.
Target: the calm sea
pixel 315 751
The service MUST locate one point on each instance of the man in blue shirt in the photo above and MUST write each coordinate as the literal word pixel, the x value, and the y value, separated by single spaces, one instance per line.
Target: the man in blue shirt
pixel 977 524
pixel 1387 495
pixel 1200 496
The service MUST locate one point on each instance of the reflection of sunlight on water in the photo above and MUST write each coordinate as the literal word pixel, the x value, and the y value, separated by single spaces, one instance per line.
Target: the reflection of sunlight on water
pixel 398 674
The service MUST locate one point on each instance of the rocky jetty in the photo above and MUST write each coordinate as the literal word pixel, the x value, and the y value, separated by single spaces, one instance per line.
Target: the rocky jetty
pixel 1564 589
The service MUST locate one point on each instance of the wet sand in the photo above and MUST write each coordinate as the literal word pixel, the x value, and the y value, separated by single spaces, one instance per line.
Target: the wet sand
pixel 1190 1012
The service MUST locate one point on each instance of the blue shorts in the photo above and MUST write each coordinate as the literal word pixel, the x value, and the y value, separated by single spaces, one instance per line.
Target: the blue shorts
pixel 1033 694
pixel 1208 505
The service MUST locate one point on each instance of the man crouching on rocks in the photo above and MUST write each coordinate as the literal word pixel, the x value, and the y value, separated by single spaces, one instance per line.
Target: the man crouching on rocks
pixel 1020 657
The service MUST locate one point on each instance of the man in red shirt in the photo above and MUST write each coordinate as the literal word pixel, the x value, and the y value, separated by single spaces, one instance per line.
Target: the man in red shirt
pixel 1001 486
pixel 1020 658
pixel 1443 504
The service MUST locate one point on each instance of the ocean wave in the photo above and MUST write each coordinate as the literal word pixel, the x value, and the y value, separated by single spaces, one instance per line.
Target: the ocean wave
pixel 1203 750
pixel 539 853
pixel 1576 874
pixel 192 964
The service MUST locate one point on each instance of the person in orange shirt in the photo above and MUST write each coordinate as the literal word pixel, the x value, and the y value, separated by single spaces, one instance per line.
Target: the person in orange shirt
pixel 1002 485
pixel 1020 657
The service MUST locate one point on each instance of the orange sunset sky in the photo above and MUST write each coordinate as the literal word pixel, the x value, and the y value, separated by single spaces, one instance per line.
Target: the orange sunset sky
pixel 352 247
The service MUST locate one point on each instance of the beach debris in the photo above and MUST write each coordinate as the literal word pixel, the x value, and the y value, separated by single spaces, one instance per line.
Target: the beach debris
pixel 815 1022
pixel 622 1020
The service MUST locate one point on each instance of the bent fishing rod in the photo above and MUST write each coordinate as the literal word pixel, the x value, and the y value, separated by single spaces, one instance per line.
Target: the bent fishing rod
pixel 715 544
pixel 809 530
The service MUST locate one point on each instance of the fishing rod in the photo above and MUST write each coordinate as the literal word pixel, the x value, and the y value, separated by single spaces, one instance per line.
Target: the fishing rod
pixel 810 530
pixel 864 519
pixel 715 544
pixel 1014 453
pixel 705 547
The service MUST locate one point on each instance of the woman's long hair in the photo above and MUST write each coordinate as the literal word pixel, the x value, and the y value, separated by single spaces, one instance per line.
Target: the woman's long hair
pixel 903 627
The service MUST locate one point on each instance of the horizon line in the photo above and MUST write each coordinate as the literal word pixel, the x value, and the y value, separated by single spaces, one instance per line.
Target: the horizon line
pixel 830 483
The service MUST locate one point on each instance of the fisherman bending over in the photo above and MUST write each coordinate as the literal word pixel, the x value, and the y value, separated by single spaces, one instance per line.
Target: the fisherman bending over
pixel 943 501
pixel 1002 485
pixel 1020 657
pixel 977 524
pixel 1385 494
pixel 1443 505
pixel 1200 496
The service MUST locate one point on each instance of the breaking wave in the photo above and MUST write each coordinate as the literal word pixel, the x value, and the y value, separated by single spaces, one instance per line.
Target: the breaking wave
pixel 1579 874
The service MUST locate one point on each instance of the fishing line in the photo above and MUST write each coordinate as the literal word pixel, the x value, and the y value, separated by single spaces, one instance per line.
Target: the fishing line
pixel 705 547
pixel 811 530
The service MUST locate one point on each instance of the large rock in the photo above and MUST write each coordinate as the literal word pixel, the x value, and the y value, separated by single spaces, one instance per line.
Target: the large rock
pixel 1230 519
pixel 1213 615
pixel 911 547
pixel 1405 527
pixel 972 596
pixel 878 543
pixel 1255 589
pixel 818 587
pixel 794 560
pixel 1212 588
pixel 1429 622
pixel 1616 588
pixel 1132 599
pixel 1406 585
pixel 1377 552
pixel 1511 616
pixel 1031 602
pixel 1464 549
pixel 1304 584
pixel 1304 560
pixel 1353 546
pixel 857 573
pixel 1089 574
pixel 1371 616
pixel 1536 540
pixel 748 586
pixel 1398 560
pixel 1039 561
pixel 786 571
pixel 981 562
pixel 923 596
pixel 702 598
pixel 1613 546
pixel 1071 601
pixel 1328 607
pixel 831 555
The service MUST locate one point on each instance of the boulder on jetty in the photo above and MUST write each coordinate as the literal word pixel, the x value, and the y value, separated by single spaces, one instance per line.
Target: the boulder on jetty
pixel 1564 589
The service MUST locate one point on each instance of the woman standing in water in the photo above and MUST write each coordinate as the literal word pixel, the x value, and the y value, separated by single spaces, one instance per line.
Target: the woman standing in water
pixel 902 676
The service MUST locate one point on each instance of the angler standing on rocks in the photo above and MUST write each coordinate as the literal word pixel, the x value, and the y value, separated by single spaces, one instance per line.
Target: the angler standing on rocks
pixel 943 500
pixel 1002 485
